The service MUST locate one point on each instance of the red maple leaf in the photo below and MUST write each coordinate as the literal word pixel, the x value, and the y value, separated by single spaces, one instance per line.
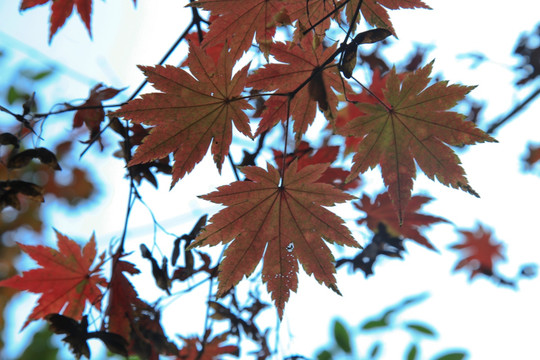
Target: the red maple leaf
pixel 123 299
pixel 62 9
pixel 92 114
pixel 306 155
pixel 310 14
pixel 381 210
pixel 351 111
pixel 191 113
pixel 533 157
pixel 194 350
pixel 237 23
pixel 64 278
pixel 298 64
pixel 480 250
pixel 213 51
pixel 412 123
pixel 284 219
pixel 132 318
pixel 375 13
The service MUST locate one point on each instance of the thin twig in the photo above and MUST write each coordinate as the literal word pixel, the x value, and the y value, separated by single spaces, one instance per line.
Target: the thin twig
pixel 512 113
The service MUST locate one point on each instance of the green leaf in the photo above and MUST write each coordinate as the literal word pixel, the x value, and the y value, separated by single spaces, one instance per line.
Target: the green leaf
pixel 375 349
pixel 31 74
pixel 454 355
pixel 412 353
pixel 420 328
pixel 324 355
pixel 375 324
pixel 342 337
pixel 41 75
pixel 40 347
pixel 15 95
pixel 384 320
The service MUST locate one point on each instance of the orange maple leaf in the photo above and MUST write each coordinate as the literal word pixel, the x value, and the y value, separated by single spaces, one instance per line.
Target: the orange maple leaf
pixel 237 23
pixel 381 210
pixel 411 123
pixel 375 13
pixel 284 216
pixel 65 278
pixel 299 62
pixel 480 251
pixel 191 113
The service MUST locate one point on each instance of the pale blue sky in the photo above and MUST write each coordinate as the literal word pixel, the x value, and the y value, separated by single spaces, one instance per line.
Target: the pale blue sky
pixel 491 322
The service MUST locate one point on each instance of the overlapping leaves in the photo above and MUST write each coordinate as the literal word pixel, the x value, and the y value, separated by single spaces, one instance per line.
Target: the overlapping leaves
pixel 381 210
pixel 300 63
pixel 237 25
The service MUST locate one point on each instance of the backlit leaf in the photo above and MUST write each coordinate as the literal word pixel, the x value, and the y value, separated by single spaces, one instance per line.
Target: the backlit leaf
pixel 238 23
pixel 412 126
pixel 480 251
pixel 382 211
pixel 299 63
pixel 283 220
pixel 191 112
pixel 341 336
pixel 65 278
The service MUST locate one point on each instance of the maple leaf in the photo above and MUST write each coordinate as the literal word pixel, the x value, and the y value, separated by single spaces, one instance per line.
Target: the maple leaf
pixel 213 51
pixel 480 250
pixel 238 23
pixel 61 10
pixel 533 157
pixel 299 63
pixel 306 155
pixel 411 123
pixel 284 220
pixel 65 278
pixel 191 113
pixel 351 111
pixel 132 318
pixel 375 14
pixel 381 210
pixel 310 13
pixel 123 298
pixel 212 349
pixel 91 113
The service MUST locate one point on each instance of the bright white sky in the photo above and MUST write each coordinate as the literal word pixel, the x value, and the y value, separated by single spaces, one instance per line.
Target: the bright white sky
pixel 491 322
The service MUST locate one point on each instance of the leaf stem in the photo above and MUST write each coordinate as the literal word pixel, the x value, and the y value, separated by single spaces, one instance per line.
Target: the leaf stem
pixel 372 94
pixel 286 140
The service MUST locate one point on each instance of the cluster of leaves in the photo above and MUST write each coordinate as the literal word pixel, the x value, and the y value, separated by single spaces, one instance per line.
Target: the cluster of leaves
pixel 266 216
pixel 344 345
pixel 276 213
